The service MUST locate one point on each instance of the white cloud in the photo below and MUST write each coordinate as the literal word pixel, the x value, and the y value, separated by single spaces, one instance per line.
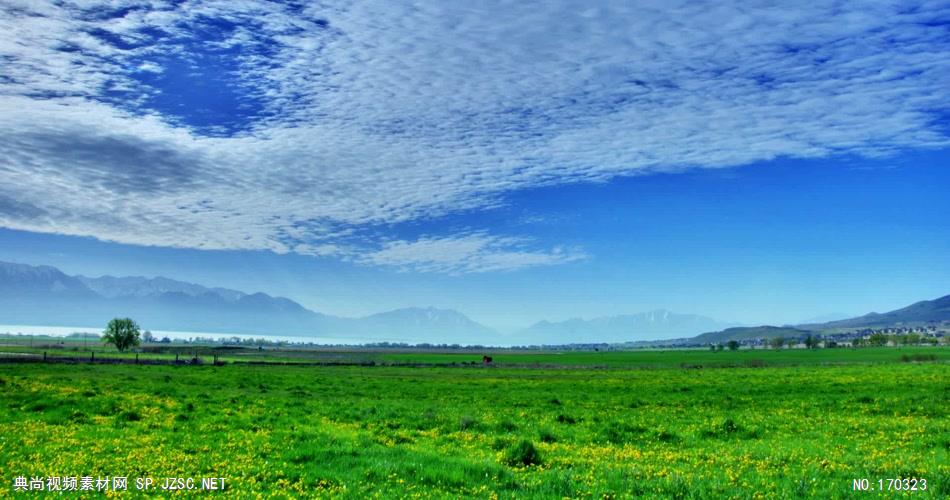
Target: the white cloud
pixel 476 252
pixel 375 113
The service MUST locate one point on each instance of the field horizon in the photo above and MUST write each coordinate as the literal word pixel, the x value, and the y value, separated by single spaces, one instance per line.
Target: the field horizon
pixel 804 424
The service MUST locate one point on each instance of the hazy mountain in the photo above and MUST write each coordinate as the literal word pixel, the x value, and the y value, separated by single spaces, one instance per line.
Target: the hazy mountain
pixel 43 295
pixel 651 325
pixel 137 286
pixel 918 313
pixel 823 318
pixel 925 312
pixel 748 332
pixel 21 279
pixel 427 324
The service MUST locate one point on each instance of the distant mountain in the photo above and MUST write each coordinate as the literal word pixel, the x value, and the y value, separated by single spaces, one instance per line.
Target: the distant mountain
pixel 43 295
pixel 427 323
pixel 137 286
pixel 925 312
pixel 24 280
pixel 748 332
pixel 918 313
pixel 823 318
pixel 651 325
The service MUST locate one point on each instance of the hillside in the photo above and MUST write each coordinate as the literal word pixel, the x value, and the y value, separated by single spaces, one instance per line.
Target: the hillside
pixel 44 295
pixel 751 332
pixel 916 314
pixel 650 325
pixel 925 312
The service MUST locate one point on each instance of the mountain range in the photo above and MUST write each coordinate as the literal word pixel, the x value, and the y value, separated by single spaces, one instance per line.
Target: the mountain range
pixel 650 325
pixel 934 312
pixel 44 295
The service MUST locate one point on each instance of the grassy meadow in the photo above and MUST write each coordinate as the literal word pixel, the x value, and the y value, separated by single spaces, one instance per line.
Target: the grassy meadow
pixel 609 425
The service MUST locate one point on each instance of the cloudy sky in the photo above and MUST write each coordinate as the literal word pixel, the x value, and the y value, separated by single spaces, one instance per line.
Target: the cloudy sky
pixel 513 160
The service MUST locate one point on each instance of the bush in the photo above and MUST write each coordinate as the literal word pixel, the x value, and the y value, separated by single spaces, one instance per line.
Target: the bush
pixel 565 419
pixel 728 428
pixel 500 444
pixel 619 433
pixel 665 436
pixel 130 416
pixel 918 357
pixel 546 436
pixel 523 454
pixel 507 426
pixel 467 422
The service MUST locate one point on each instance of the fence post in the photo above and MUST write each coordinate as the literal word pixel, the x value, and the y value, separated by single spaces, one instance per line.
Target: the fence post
pixel 136 358
pixel 176 358
pixel 93 359
pixel 44 356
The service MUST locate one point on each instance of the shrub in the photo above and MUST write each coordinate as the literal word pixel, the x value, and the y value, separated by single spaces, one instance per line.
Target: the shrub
pixel 467 422
pixel 500 443
pixel 507 426
pixel 918 357
pixel 664 436
pixel 546 436
pixel 565 419
pixel 523 454
pixel 619 433
pixel 130 416
pixel 728 428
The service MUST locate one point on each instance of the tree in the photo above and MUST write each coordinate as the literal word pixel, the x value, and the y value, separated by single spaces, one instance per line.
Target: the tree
pixel 123 333
pixel 878 339
pixel 811 341
pixel 777 342
pixel 148 337
pixel 733 345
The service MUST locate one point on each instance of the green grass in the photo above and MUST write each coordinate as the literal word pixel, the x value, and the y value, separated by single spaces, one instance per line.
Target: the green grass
pixel 641 358
pixel 806 429
pixel 676 358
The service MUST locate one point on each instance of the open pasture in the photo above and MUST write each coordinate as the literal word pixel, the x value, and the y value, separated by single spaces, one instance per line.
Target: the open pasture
pixel 351 431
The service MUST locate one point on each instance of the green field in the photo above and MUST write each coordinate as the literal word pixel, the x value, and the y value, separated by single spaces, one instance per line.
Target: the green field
pixel 793 424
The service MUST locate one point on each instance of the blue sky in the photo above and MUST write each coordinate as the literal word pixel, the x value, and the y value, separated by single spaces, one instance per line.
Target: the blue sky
pixel 514 162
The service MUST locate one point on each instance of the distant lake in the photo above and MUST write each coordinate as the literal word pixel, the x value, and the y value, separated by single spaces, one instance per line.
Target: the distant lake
pixel 63 331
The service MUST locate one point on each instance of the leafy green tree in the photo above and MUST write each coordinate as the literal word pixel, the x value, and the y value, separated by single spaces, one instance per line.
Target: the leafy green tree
pixel 123 333
pixel 812 341
pixel 877 339
pixel 777 342
pixel 733 345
